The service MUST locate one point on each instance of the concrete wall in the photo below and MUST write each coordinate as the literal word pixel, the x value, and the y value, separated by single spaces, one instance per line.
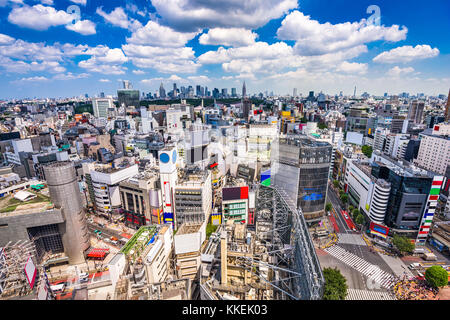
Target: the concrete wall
pixel 17 224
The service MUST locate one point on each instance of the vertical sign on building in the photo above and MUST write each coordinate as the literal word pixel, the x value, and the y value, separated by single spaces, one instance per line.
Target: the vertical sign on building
pixel 430 208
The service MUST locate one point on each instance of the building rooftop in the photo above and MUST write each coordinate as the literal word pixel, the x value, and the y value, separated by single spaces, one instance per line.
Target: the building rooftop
pixel 303 141
pixel 189 228
pixel 9 205
pixel 138 242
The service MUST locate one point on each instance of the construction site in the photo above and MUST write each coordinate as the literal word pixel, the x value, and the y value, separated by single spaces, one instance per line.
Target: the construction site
pixel 274 260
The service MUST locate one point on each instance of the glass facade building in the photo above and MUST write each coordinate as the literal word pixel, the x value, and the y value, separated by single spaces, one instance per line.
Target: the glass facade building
pixel 128 97
pixel 300 166
pixel 407 197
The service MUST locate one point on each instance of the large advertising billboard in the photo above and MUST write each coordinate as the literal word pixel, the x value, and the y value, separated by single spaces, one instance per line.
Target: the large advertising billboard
pixel 379 230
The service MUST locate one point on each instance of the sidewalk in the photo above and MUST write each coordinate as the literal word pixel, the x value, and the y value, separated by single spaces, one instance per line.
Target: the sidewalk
pixel 397 266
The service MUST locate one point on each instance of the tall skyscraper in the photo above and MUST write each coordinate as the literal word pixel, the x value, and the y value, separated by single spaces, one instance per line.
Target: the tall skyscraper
pixel 127 96
pixel 233 92
pixel 175 93
pixel 300 166
pixel 447 107
pixel 295 92
pixel 162 92
pixel 244 91
pixel 127 84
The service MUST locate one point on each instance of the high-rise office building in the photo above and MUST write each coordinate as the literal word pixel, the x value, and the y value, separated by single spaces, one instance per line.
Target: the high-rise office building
pixel 408 194
pixel 294 92
pixel 197 91
pixel 127 96
pixel 244 91
pixel 300 166
pixel 127 84
pixel 162 92
pixel 101 106
pixel 233 92
pixel 224 93
pixel 415 112
pixel 175 93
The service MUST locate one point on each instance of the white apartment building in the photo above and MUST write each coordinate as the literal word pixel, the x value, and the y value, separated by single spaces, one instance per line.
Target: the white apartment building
pixel 369 194
pixel 101 107
pixel 105 185
pixel 434 150
pixel 379 138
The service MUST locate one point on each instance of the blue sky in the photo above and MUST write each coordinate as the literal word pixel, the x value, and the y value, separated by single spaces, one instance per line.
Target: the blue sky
pixel 48 50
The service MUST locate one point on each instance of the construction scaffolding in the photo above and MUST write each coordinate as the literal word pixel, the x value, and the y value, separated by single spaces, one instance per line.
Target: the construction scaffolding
pixel 296 268
pixel 13 261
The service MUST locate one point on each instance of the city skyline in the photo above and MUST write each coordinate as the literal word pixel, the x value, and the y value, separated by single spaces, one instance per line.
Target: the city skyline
pixel 286 44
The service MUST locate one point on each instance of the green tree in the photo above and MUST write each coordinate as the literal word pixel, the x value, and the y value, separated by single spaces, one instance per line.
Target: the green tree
pixel 360 219
pixel 335 284
pixel 336 183
pixel 322 126
pixel 367 150
pixel 436 276
pixel 403 244
pixel 210 228
pixel 355 212
pixel 344 198
pixel 328 207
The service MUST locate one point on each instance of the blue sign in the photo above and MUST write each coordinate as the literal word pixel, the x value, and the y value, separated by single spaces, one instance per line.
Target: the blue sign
pixel 379 229
pixel 313 197
pixel 164 158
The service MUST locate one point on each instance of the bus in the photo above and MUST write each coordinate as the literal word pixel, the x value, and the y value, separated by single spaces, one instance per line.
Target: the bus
pixel 58 288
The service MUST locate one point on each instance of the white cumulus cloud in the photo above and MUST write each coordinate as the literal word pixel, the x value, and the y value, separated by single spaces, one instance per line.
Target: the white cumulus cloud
pixel 155 34
pixel 407 54
pixel 38 17
pixel 315 38
pixel 119 18
pixel 233 37
pixel 397 71
pixel 190 15
pixel 352 67
pixel 85 27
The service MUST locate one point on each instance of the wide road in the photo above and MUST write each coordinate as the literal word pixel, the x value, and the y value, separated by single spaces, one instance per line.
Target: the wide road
pixel 364 251
pixel 105 231
pixel 336 203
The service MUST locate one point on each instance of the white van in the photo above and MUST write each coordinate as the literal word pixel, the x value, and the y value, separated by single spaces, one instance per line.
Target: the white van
pixel 84 277
pixel 414 266
pixel 58 288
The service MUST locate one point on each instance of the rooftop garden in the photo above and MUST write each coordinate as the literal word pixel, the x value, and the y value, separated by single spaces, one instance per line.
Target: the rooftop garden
pixel 11 204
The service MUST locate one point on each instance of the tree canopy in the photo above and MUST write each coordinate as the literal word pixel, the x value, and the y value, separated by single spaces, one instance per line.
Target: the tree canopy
pixel 367 150
pixel 436 276
pixel 335 284
pixel 403 244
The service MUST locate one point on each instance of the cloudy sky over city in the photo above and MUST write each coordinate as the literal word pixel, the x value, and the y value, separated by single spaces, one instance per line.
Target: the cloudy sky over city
pixel 59 48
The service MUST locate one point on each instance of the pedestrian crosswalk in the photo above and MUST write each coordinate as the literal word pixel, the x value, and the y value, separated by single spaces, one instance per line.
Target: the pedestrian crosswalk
pixel 377 277
pixel 356 294
pixel 351 239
